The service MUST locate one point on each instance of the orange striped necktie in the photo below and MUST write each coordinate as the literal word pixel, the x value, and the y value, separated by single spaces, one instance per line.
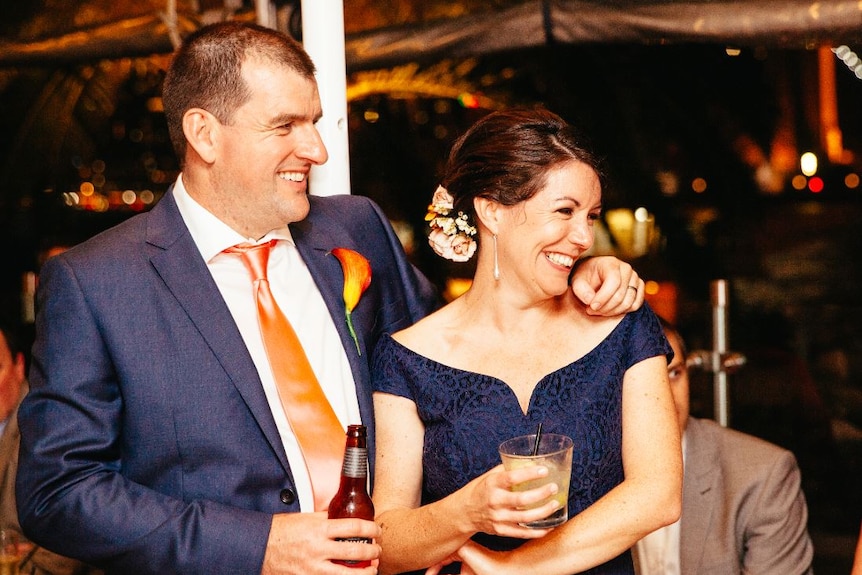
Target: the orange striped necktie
pixel 311 417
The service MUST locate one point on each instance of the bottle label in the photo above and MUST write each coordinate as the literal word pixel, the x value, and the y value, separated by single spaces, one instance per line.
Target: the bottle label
pixel 354 539
pixel 355 462
pixel 348 562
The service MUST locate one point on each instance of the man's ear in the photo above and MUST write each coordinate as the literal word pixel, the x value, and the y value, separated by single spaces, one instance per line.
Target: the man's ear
pixel 488 212
pixel 201 129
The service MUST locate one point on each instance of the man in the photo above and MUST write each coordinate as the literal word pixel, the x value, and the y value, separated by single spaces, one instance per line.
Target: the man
pixel 154 439
pixel 35 560
pixel 743 510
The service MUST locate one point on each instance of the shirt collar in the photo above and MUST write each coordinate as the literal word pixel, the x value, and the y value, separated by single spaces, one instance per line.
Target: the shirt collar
pixel 211 235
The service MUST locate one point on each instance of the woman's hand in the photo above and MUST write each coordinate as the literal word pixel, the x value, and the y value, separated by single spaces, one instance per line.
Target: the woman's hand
pixel 435 569
pixel 492 507
pixel 608 286
pixel 477 560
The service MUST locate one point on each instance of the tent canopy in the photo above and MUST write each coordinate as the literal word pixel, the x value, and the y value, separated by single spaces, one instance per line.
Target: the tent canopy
pixel 387 32
pixel 75 75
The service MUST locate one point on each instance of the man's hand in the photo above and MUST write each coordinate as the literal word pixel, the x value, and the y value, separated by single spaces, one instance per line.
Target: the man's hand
pixel 607 286
pixel 306 544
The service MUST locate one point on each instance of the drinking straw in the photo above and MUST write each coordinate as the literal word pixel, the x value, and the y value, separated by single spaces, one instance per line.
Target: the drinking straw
pixel 538 438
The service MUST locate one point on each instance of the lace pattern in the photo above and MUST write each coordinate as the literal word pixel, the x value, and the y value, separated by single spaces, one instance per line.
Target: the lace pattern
pixel 467 415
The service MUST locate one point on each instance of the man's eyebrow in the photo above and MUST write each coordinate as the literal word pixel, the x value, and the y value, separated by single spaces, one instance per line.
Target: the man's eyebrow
pixel 284 119
pixel 291 118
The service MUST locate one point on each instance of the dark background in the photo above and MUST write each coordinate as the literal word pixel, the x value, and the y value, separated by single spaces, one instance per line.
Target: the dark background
pixel 791 257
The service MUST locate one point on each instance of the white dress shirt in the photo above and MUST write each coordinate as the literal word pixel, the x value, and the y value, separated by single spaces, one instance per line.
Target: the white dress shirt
pixel 299 299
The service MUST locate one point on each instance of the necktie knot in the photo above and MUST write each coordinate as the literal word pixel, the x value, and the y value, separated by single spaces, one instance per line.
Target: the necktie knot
pixel 255 257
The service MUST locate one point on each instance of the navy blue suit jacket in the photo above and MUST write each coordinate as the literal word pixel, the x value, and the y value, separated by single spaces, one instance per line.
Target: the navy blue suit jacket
pixel 148 445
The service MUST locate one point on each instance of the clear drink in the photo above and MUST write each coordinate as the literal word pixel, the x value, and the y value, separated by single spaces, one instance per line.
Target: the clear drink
pixel 555 453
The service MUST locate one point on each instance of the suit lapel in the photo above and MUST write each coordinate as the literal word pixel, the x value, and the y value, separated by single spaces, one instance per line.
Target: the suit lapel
pixel 314 247
pixel 180 265
pixel 698 496
pixel 315 239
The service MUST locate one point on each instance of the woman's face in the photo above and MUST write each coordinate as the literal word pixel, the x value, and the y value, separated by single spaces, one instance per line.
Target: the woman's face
pixel 540 239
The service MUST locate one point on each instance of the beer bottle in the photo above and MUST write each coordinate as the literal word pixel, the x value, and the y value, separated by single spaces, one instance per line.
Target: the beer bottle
pixel 352 499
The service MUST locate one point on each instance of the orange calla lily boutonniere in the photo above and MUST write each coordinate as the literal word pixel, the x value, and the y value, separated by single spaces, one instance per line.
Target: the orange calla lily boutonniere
pixel 357 278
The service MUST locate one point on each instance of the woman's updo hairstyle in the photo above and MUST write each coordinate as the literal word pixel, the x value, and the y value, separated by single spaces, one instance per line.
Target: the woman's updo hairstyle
pixel 506 156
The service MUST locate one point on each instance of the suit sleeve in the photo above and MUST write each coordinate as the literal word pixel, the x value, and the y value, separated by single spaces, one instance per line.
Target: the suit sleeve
pixel 73 495
pixel 776 539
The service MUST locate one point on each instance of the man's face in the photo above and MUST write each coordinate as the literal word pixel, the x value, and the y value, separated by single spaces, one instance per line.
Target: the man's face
pixel 11 379
pixel 265 153
pixel 677 373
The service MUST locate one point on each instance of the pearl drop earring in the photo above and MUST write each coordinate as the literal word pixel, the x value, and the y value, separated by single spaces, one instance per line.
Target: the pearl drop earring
pixel 496 263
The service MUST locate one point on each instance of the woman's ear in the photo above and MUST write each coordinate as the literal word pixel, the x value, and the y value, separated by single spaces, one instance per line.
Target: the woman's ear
pixel 201 130
pixel 488 212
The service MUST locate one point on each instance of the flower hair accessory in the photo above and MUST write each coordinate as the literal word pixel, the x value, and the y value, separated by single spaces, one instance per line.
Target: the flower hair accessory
pixel 357 278
pixel 450 237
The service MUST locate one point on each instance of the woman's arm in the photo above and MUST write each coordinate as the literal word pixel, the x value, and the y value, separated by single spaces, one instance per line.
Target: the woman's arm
pixel 649 497
pixel 415 536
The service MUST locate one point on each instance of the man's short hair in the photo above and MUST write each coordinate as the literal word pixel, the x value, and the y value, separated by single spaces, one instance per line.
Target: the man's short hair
pixel 206 71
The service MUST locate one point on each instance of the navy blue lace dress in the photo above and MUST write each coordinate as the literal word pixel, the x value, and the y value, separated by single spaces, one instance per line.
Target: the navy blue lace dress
pixel 467 415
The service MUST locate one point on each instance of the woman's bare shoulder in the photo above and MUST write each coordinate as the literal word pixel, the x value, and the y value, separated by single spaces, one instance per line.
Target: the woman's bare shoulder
pixel 428 332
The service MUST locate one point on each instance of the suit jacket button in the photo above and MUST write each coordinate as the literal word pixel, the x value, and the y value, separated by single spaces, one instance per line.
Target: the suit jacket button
pixel 287 496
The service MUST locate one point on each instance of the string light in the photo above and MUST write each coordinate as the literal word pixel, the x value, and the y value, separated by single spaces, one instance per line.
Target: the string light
pixel 850 59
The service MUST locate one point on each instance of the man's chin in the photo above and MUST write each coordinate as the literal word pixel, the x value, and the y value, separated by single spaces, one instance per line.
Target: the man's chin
pixel 298 210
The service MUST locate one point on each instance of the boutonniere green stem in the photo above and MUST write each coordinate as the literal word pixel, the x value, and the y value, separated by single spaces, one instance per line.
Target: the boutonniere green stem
pixel 357 278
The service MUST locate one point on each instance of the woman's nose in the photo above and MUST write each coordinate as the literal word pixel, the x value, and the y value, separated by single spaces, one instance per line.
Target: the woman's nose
pixel 582 235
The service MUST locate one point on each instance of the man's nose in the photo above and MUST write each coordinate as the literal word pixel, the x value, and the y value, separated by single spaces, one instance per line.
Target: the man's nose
pixel 311 147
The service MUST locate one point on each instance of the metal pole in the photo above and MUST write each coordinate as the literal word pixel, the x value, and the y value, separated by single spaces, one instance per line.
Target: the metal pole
pixel 718 360
pixel 718 295
pixel 323 38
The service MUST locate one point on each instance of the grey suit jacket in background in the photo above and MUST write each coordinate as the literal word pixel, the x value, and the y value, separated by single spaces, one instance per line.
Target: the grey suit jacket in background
pixel 743 507
pixel 147 442
pixel 37 560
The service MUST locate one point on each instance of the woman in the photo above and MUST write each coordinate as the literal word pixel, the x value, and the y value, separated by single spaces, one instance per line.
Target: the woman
pixel 516 350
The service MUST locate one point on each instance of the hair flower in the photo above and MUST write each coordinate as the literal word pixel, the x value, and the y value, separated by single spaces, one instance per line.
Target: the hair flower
pixel 357 278
pixel 451 238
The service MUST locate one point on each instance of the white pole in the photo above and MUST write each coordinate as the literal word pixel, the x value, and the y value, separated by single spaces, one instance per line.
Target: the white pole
pixel 265 13
pixel 323 38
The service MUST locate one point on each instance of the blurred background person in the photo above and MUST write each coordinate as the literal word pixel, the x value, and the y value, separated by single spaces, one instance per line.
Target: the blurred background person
pixel 743 509
pixel 13 385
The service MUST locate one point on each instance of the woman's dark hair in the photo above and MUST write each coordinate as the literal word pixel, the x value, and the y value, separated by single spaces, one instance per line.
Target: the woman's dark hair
pixel 206 71
pixel 506 156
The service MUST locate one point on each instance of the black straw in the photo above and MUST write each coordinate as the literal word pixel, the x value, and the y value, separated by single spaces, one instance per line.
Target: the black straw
pixel 538 439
